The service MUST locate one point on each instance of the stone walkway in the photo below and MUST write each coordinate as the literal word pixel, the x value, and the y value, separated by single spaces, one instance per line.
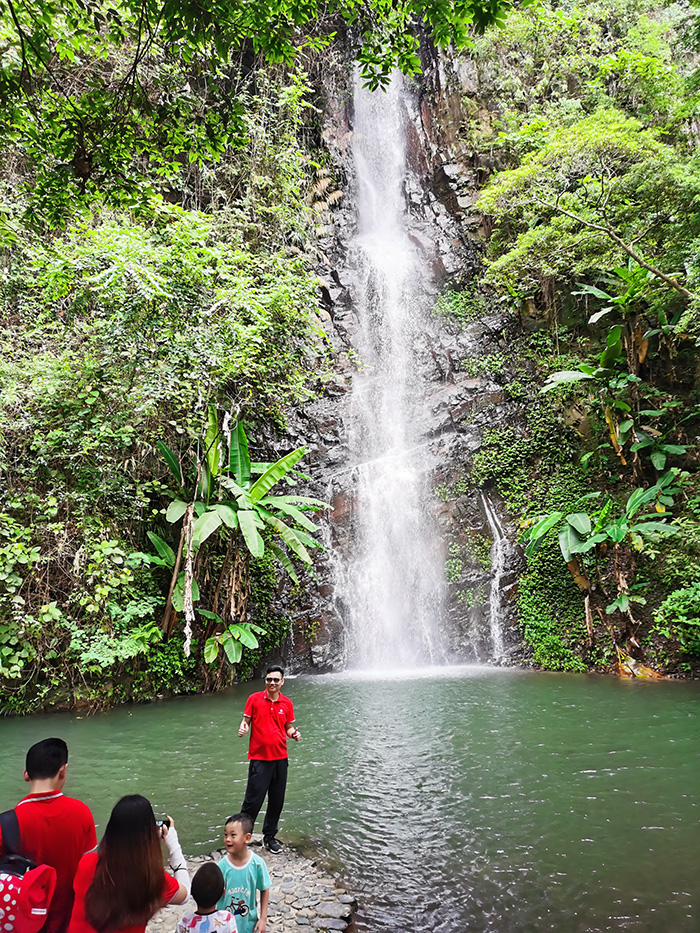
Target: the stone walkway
pixel 302 897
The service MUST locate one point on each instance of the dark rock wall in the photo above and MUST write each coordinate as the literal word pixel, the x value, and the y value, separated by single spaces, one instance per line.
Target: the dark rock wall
pixel 440 192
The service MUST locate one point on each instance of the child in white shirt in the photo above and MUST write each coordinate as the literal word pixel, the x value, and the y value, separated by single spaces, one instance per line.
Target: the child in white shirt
pixel 207 889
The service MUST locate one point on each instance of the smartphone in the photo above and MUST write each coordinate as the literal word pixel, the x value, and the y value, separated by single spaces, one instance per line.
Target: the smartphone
pixel 163 822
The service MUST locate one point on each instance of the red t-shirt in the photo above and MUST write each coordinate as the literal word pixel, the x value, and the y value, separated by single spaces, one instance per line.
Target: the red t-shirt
pixel 56 830
pixel 83 879
pixel 268 726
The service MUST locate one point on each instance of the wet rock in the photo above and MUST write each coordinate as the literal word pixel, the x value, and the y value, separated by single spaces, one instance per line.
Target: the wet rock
pixel 301 895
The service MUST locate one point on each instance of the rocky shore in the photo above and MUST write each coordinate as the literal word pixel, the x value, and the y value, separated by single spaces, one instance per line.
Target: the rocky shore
pixel 302 897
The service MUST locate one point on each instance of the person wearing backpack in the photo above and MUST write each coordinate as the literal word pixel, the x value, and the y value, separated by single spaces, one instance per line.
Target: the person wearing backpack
pixel 54 829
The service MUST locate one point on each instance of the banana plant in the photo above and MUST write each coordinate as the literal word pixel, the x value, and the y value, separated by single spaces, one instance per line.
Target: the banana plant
pixel 226 496
pixel 582 532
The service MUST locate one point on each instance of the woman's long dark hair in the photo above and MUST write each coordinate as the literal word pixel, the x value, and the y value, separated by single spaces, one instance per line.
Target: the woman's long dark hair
pixel 128 884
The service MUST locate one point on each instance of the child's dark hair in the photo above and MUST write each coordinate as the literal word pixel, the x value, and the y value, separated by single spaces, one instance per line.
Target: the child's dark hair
pixel 245 819
pixel 46 758
pixel 208 885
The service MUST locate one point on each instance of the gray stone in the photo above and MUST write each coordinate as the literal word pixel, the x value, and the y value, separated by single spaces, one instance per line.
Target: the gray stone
pixel 333 909
pixel 329 924
pixel 296 880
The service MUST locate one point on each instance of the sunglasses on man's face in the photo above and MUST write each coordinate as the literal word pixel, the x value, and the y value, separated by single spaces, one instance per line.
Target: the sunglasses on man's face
pixel 273 680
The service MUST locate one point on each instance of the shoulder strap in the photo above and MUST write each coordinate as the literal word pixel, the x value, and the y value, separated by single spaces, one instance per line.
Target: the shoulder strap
pixel 9 826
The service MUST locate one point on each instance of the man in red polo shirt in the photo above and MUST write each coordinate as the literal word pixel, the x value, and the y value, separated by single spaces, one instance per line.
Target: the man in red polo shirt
pixel 270 718
pixel 54 829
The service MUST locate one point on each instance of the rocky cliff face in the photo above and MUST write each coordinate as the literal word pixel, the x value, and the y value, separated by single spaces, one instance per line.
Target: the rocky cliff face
pixel 460 401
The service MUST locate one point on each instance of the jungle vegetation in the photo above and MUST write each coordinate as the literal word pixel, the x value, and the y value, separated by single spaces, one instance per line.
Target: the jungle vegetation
pixel 594 215
pixel 160 163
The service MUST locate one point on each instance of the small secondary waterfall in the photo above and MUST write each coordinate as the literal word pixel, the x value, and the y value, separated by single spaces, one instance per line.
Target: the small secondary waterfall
pixel 393 586
pixel 500 552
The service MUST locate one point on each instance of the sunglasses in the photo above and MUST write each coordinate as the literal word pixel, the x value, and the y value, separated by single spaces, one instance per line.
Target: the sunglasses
pixel 273 680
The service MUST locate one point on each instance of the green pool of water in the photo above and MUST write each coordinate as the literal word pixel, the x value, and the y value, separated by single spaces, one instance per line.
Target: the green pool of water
pixel 451 799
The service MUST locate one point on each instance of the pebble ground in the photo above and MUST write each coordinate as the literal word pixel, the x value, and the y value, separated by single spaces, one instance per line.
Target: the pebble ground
pixel 302 898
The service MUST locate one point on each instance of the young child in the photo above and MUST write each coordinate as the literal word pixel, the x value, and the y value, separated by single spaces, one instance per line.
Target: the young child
pixel 244 874
pixel 207 888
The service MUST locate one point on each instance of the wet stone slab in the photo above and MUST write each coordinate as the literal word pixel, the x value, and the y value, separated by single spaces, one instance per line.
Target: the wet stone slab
pixel 302 896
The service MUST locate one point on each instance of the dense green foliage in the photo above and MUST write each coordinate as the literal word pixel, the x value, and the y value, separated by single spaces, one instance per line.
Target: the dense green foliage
pixel 108 100
pixel 596 232
pixel 121 332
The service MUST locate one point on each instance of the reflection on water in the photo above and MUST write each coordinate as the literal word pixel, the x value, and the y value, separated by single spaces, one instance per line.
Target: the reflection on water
pixel 459 799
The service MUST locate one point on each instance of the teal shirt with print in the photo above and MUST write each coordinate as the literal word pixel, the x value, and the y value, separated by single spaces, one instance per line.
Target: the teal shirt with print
pixel 241 884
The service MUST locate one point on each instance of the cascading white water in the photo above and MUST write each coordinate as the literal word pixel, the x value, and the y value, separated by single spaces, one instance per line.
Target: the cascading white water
pixel 500 552
pixel 393 587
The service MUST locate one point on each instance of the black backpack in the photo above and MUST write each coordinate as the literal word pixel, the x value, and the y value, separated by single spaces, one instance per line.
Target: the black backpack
pixel 30 886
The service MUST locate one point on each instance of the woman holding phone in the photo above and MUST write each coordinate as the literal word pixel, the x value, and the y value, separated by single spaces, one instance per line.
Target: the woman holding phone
pixel 120 887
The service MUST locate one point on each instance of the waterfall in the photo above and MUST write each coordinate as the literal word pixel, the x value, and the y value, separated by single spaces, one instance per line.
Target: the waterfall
pixel 392 587
pixel 500 552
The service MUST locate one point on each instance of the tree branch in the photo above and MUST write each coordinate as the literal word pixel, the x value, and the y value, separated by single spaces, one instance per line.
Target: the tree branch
pixel 616 238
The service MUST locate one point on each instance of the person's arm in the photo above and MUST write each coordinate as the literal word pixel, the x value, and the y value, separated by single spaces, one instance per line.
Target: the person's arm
pixel 290 726
pixel 178 865
pixel 293 732
pixel 244 726
pixel 261 925
pixel 90 836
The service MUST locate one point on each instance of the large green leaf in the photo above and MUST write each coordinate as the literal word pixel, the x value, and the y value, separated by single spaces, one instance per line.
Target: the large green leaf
pixel 205 526
pixel 239 458
pixel 563 377
pixel 208 614
pixel 612 354
pixel 285 561
pixel 176 510
pixel 249 523
pixel 243 633
pixel 569 541
pixel 639 498
pixel 594 318
pixel 617 531
pixel 172 462
pixel 163 548
pixel 178 598
pixel 282 503
pixel 580 521
pixel 205 483
pixel 315 504
pixel 306 539
pixel 540 528
pixel 290 538
pixel 150 559
pixel 589 543
pixel 211 441
pixel 658 458
pixel 232 647
pixel 211 650
pixel 244 500
pixel 179 592
pixel 622 603
pixel 614 335
pixel 645 528
pixel 228 515
pixel 586 289
pixel 263 485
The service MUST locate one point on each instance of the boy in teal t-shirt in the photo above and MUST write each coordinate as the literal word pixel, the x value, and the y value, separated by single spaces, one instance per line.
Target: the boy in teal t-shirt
pixel 244 874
